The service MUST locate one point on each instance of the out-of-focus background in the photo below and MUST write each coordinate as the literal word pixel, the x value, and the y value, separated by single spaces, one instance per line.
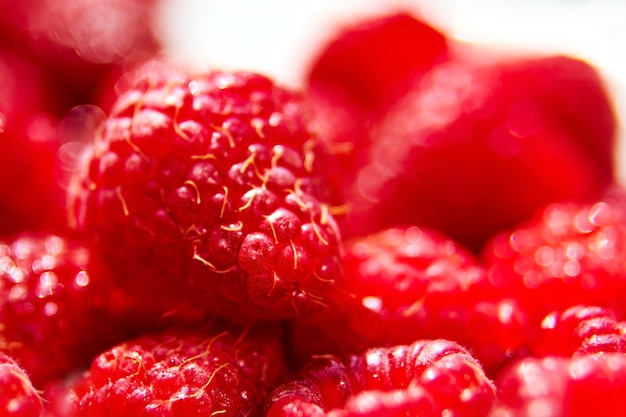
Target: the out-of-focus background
pixel 277 37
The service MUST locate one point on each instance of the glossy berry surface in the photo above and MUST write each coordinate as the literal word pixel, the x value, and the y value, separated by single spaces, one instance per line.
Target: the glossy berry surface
pixel 54 315
pixel 373 60
pixel 569 254
pixel 78 42
pixel 31 193
pixel 585 385
pixel 580 330
pixel 424 378
pixel 426 228
pixel 408 283
pixel 207 180
pixel 218 371
pixel 365 66
pixel 469 152
pixel 573 92
pixel 18 397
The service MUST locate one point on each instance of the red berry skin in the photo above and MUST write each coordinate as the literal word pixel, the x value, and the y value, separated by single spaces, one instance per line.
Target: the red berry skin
pixel 78 42
pixel 408 283
pixel 202 186
pixel 466 153
pixel 31 193
pixel 178 372
pixel 423 378
pixel 343 129
pixel 374 59
pixel 574 92
pixel 54 314
pixel 18 397
pixel 569 254
pixel 585 385
pixel 365 66
pixel 580 330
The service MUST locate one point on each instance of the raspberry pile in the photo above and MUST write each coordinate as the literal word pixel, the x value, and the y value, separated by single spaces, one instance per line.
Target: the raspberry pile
pixel 424 228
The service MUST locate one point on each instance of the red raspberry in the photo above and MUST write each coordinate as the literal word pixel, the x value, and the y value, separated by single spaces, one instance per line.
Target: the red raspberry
pixel 220 371
pixel 472 150
pixel 373 60
pixel 573 92
pixel 202 186
pixel 342 127
pixel 570 254
pixel 581 386
pixel 18 397
pixel 31 195
pixel 406 284
pixel 424 378
pixel 77 42
pixel 54 314
pixel 580 330
pixel 352 80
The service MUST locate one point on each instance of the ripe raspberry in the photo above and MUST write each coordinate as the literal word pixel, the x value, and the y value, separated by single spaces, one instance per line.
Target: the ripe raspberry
pixel 406 284
pixel 18 397
pixel 580 330
pixel 580 386
pixel 343 131
pixel 31 196
pixel 78 42
pixel 570 254
pixel 468 154
pixel 373 60
pixel 220 371
pixel 352 80
pixel 203 187
pixel 573 92
pixel 54 315
pixel 426 378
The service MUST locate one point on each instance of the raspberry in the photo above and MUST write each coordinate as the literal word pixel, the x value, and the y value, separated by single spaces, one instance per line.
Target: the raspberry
pixel 585 385
pixel 569 254
pixel 409 283
pixel 31 196
pixel 342 127
pixel 54 314
pixel 352 80
pixel 468 154
pixel 18 397
pixel 183 372
pixel 575 93
pixel 204 184
pixel 425 378
pixel 78 42
pixel 580 330
pixel 373 60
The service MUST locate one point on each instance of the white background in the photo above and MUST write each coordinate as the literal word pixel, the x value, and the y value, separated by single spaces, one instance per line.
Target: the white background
pixel 277 37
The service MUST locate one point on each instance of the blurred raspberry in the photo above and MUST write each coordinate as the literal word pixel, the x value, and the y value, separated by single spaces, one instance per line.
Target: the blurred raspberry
pixel 18 397
pixel 373 60
pixel 569 254
pixel 473 149
pixel 77 42
pixel 580 330
pixel 581 386
pixel 31 181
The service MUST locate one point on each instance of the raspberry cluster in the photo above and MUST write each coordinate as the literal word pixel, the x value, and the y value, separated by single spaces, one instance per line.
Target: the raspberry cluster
pixel 425 228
